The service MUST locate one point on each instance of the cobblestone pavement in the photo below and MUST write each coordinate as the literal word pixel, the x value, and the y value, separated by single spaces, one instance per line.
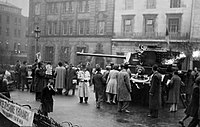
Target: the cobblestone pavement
pixel 67 108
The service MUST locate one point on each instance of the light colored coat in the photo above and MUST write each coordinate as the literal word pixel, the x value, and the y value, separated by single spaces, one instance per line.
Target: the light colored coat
pixel 83 89
pixel 124 86
pixel 60 77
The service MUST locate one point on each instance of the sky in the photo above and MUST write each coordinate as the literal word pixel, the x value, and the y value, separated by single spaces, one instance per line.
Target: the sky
pixel 23 4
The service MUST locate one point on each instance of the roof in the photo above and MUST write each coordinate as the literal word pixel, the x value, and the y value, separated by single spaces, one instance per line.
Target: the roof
pixel 8 4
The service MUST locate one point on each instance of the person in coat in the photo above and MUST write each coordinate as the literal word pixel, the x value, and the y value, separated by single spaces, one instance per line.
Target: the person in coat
pixel 24 74
pixel 111 88
pixel 193 107
pixel 124 90
pixel 189 80
pixel 174 91
pixel 155 93
pixel 39 81
pixel 17 74
pixel 99 83
pixel 47 99
pixel 70 76
pixel 60 73
pixel 83 87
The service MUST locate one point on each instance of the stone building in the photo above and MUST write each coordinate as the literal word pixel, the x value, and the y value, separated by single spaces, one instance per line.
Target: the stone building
pixel 70 26
pixel 147 22
pixel 13 28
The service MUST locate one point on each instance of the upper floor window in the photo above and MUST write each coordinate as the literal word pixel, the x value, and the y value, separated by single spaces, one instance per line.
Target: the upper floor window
pixel 67 27
pixel 15 20
pixel 68 7
pixel 128 4
pixel 149 24
pixel 52 8
pixel 0 30
pixel 0 18
pixel 175 3
pixel 15 32
pixel 83 27
pixel 173 25
pixel 52 28
pixel 128 24
pixel 102 5
pixel 151 4
pixel 7 31
pixel 37 9
pixel 101 28
pixel 83 6
pixel 19 33
pixel 20 21
pixel 8 19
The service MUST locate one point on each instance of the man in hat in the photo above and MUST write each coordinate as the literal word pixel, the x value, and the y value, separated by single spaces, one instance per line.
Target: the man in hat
pixel 83 89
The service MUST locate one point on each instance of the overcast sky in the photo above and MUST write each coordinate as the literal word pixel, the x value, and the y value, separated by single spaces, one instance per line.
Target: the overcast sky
pixel 24 4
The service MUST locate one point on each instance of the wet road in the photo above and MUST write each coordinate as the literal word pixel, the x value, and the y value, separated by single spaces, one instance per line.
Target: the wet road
pixel 67 108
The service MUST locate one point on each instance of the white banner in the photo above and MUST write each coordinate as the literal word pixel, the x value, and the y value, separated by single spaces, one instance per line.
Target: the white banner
pixel 17 114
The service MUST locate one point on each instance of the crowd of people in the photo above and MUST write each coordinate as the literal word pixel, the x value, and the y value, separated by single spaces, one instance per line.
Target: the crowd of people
pixel 113 86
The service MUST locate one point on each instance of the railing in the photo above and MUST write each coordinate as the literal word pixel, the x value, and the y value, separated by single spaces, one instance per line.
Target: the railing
pixel 155 35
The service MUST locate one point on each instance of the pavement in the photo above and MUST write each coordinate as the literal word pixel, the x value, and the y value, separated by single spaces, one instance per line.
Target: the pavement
pixel 67 108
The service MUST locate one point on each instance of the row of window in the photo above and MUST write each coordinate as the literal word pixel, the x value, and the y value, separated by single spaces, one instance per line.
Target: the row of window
pixel 173 24
pixel 67 27
pixel 69 6
pixel 17 21
pixel 151 4
pixel 17 33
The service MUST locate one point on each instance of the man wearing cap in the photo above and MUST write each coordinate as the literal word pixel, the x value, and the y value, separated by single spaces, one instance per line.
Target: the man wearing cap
pixel 83 89
pixel 99 83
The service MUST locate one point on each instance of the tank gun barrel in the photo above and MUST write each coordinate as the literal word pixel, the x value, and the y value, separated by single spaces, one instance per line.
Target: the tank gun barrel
pixel 100 55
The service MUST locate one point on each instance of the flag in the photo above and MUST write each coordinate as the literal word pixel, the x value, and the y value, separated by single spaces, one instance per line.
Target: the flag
pixel 167 36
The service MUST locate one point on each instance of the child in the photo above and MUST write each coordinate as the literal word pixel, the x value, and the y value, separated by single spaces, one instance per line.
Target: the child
pixel 47 99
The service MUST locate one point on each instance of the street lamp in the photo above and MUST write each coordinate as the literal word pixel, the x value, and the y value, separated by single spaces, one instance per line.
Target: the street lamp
pixel 37 32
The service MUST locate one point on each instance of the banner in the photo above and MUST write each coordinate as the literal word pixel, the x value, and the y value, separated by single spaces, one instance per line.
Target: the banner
pixel 15 113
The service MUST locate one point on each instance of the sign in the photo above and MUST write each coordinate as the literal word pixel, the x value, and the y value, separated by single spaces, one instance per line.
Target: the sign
pixel 15 113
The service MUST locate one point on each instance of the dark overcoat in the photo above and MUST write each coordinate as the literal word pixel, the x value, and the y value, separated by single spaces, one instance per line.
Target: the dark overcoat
pixel 39 79
pixel 99 83
pixel 47 99
pixel 70 75
pixel 192 109
pixel 124 86
pixel 189 80
pixel 174 90
pixel 155 91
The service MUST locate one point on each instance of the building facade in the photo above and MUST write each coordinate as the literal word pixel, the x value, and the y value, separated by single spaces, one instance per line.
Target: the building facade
pixel 149 22
pixel 70 26
pixel 13 28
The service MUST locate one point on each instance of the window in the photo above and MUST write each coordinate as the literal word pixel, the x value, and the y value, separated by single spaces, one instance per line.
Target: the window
pixel 55 28
pixel 151 4
pixel 71 6
pixel 19 21
pixel 101 28
pixel 173 25
pixel 70 28
pixel 80 59
pixel 64 28
pixel 65 54
pixel 49 53
pixel 87 27
pixel 15 20
pixel 8 19
pixel 175 3
pixel 0 30
pixel 52 8
pixel 15 33
pixel 83 6
pixel 149 24
pixel 68 7
pixel 37 9
pixel 7 31
pixel 128 4
pixel 19 33
pixel 65 7
pixel 83 27
pixel 0 18
pixel 50 29
pixel 102 6
pixel 128 24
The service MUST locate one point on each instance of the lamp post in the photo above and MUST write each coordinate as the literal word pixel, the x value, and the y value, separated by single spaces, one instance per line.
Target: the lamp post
pixel 37 36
